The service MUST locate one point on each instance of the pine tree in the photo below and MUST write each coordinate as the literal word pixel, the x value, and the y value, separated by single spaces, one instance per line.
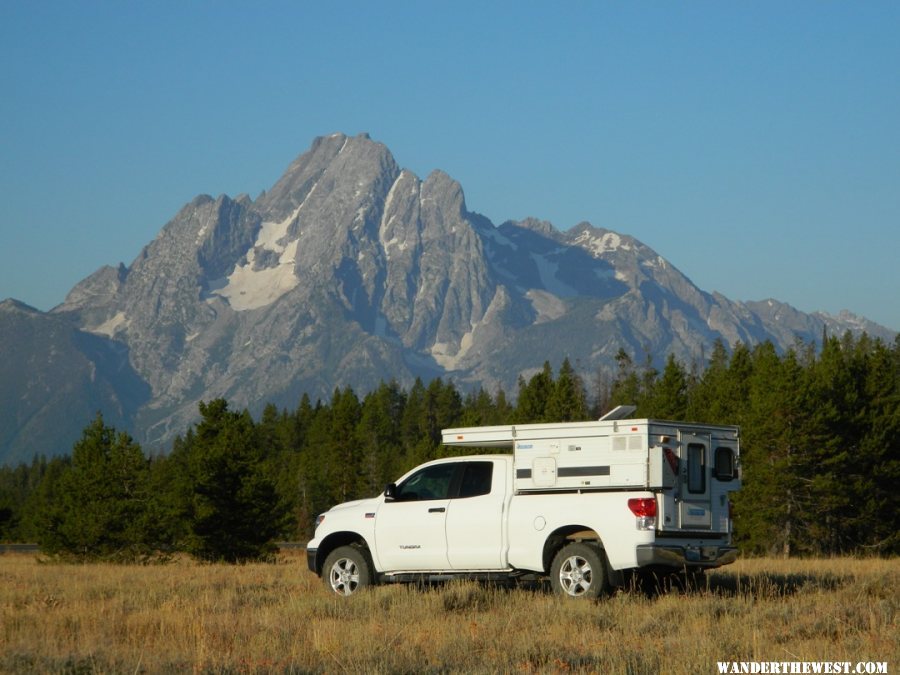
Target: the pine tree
pixel 669 399
pixel 533 396
pixel 171 484
pixel 41 510
pixel 504 411
pixel 99 505
pixel 626 388
pixel 317 494
pixel 17 486
pixel 414 429
pixel 237 513
pixel 712 400
pixel 344 463
pixel 649 379
pixel 478 409
pixel 770 504
pixel 566 401
pixel 839 467
pixel 879 451
pixel 298 486
pixel 379 436
pixel 442 410
pixel 602 392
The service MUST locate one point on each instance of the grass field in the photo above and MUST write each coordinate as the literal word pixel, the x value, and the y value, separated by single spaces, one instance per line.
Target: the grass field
pixel 190 617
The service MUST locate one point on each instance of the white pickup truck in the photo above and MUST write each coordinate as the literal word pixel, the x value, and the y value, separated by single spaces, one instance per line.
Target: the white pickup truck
pixel 578 502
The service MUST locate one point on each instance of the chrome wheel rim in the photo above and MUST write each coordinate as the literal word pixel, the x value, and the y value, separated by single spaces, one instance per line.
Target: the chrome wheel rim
pixel 344 576
pixel 576 576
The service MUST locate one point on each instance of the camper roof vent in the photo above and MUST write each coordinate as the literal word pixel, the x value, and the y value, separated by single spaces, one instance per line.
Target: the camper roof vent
pixel 620 412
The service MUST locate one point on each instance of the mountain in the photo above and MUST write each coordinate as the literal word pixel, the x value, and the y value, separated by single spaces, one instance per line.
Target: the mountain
pixel 349 271
pixel 53 380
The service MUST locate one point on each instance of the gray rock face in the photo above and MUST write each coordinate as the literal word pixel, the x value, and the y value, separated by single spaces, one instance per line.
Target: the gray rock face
pixel 351 270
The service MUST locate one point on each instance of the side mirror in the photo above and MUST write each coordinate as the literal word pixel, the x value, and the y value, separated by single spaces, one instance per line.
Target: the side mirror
pixel 390 492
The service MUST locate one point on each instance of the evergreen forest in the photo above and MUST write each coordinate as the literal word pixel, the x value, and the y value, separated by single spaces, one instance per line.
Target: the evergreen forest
pixel 820 444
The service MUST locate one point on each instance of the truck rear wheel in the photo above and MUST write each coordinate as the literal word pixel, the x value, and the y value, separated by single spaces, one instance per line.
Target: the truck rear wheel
pixel 346 570
pixel 578 571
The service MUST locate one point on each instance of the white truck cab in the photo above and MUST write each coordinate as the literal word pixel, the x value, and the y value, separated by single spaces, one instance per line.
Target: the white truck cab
pixel 578 502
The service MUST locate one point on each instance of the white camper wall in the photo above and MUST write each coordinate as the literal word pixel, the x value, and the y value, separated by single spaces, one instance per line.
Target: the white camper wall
pixel 608 460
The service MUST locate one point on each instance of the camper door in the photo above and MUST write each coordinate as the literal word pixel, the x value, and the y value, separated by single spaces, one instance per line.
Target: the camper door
pixel 695 508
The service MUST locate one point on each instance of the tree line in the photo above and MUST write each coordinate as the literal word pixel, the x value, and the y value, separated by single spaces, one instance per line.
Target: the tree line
pixel 820 438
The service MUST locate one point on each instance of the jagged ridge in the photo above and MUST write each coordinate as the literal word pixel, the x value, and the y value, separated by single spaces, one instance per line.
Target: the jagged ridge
pixel 351 270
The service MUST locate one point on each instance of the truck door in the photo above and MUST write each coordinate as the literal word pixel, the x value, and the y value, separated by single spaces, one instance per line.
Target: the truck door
pixel 410 531
pixel 695 511
pixel 475 517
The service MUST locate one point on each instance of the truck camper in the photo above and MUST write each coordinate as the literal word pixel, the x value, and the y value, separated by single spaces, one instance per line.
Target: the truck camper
pixel 580 502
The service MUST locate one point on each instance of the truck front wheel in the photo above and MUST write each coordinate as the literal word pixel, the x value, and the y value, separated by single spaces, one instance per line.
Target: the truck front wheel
pixel 578 571
pixel 346 570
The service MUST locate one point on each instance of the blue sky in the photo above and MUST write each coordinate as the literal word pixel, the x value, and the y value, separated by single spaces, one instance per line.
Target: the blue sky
pixel 755 145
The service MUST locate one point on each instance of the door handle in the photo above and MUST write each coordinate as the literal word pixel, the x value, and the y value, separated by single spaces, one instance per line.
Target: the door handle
pixel 437 509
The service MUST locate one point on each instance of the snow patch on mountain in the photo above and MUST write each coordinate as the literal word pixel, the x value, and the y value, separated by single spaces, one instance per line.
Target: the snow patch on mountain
pixel 388 218
pixel 253 285
pixel 202 231
pixel 606 243
pixel 441 350
pixel 655 263
pixel 110 326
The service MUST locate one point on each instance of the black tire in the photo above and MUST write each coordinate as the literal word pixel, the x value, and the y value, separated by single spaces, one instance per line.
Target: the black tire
pixel 579 571
pixel 347 570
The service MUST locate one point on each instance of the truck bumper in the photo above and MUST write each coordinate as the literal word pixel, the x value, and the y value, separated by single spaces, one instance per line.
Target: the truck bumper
pixel 311 559
pixel 685 556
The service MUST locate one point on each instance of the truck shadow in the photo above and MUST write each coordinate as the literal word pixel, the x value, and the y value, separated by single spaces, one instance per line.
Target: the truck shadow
pixel 652 585
pixel 756 586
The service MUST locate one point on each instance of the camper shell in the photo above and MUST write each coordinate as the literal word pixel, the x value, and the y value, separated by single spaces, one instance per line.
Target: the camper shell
pixel 691 467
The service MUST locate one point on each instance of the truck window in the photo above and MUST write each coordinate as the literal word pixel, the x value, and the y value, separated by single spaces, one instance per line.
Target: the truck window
pixel 696 468
pixel 432 482
pixel 724 464
pixel 477 479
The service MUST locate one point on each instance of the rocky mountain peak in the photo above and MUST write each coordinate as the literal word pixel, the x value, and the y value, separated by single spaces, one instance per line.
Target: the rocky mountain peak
pixel 338 161
pixel 542 227
pixel 351 270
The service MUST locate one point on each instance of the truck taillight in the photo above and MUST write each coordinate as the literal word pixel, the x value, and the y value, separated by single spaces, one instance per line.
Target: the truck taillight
pixel 644 509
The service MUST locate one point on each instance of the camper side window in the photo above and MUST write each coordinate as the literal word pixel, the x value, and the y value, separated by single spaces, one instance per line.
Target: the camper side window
pixel 724 464
pixel 696 468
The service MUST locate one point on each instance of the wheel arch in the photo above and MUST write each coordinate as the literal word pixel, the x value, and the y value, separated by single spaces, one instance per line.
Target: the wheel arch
pixel 336 540
pixel 564 535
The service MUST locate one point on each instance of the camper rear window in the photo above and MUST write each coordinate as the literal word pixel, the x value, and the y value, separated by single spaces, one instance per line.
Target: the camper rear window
pixel 696 468
pixel 724 464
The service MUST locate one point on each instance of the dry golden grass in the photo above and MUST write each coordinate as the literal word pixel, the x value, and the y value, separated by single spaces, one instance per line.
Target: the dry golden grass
pixel 189 617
